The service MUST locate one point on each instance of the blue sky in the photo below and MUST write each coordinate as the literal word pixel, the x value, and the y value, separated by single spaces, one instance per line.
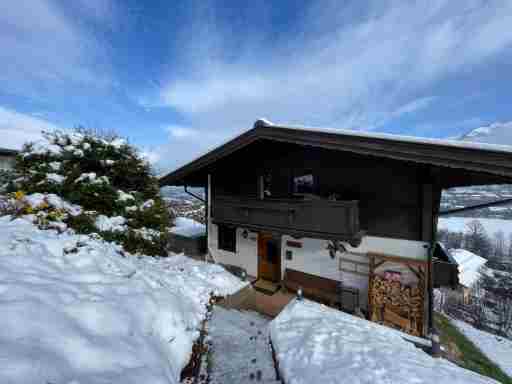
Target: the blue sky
pixel 177 77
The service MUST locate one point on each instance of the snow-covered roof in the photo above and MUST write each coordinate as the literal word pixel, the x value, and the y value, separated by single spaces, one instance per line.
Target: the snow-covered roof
pixel 469 266
pixel 403 138
pixel 478 157
pixel 188 227
pixel 8 152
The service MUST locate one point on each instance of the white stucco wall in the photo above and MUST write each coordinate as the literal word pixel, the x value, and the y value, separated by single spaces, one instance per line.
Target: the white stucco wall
pixel 314 258
pixel 246 255
pixel 397 247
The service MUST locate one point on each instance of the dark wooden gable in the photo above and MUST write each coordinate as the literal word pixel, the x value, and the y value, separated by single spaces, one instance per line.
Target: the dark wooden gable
pixel 389 191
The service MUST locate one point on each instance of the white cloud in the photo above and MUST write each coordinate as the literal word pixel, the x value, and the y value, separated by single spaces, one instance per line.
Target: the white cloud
pixel 346 68
pixel 151 155
pixel 44 47
pixel 413 106
pixel 179 132
pixel 18 128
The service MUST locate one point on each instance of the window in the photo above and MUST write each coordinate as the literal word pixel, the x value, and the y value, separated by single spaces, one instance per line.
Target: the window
pixel 267 185
pixel 304 183
pixel 227 238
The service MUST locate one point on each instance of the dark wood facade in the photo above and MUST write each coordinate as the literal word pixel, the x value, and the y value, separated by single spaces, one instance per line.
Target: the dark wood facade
pixel 337 220
pixel 396 180
pixel 391 198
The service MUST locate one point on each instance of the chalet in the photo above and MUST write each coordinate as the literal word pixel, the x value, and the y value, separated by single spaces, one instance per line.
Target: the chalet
pixel 7 158
pixel 470 267
pixel 349 217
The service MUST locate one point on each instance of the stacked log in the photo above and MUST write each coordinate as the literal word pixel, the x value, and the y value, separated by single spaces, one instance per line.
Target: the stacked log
pixel 398 301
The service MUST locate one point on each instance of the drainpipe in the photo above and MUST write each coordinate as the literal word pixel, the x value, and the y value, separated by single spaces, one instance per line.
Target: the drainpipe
pixel 205 202
pixel 431 285
pixel 208 208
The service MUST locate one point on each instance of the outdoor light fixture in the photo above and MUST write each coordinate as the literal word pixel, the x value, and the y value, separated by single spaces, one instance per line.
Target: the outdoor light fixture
pixel 299 294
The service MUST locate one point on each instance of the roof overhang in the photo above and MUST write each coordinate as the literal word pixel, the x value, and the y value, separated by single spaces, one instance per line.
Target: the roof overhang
pixel 8 152
pixel 492 160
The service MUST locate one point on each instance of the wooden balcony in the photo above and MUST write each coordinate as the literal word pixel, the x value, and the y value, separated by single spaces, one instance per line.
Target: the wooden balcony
pixel 321 219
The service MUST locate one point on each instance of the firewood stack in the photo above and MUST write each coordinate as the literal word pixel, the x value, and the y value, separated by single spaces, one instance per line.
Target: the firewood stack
pixel 397 305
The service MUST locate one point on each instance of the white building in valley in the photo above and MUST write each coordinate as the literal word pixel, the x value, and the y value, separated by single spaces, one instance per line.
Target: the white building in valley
pixel 7 158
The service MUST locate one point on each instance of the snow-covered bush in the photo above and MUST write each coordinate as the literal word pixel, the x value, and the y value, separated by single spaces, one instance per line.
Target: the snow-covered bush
pixel 100 183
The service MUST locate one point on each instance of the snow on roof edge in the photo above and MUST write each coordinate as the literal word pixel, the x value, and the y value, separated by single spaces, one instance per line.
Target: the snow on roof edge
pixel 262 123
pixel 404 138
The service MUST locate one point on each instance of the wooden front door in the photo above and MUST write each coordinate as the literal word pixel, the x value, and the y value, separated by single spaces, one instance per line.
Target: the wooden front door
pixel 269 257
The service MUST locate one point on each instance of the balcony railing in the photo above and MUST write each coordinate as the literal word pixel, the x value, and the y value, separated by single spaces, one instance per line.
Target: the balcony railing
pixel 315 218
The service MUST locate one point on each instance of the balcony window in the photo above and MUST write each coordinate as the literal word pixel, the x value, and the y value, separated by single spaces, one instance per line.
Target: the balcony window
pixel 304 183
pixel 267 185
pixel 227 238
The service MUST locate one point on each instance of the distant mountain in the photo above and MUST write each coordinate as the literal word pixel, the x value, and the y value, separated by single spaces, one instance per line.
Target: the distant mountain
pixel 179 194
pixel 496 133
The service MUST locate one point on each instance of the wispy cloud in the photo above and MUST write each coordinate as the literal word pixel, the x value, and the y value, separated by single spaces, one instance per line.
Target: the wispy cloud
pixel 18 128
pixel 181 132
pixel 345 67
pixel 413 106
pixel 46 47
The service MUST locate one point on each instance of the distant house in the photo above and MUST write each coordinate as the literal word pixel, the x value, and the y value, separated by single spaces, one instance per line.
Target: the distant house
pixel 7 158
pixel 349 217
pixel 469 266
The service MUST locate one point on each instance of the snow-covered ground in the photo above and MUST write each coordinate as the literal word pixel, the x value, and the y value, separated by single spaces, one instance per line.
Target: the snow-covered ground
pixel 496 348
pixel 317 344
pixel 240 351
pixel 458 224
pixel 74 310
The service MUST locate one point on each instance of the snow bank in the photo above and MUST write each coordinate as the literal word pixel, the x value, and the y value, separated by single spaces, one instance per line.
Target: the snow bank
pixel 188 227
pixel 74 310
pixel 496 348
pixel 114 224
pixel 123 196
pixel 469 266
pixel 38 200
pixel 55 165
pixel 317 344
pixel 92 178
pixel 55 178
pixel 118 143
pixel 44 147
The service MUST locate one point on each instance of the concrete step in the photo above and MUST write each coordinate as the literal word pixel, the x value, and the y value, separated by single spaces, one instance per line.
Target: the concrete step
pixel 242 299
